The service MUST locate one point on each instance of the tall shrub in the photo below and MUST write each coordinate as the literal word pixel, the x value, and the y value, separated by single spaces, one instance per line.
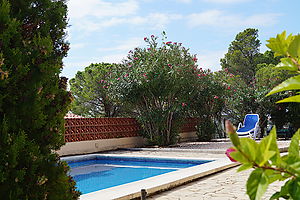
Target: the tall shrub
pixel 33 100
pixel 156 82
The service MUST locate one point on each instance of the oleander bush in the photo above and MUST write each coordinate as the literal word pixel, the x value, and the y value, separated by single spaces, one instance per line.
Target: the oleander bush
pixel 158 83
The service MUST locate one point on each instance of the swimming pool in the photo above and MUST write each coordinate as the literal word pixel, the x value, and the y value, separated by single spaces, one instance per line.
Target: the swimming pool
pixel 98 172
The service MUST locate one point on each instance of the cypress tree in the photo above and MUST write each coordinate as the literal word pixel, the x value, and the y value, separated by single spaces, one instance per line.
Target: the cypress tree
pixel 33 100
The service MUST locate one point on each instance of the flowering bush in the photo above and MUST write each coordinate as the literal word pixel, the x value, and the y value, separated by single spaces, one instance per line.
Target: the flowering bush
pixel 156 82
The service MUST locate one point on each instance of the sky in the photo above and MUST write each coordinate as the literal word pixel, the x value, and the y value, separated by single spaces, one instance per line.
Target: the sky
pixel 106 30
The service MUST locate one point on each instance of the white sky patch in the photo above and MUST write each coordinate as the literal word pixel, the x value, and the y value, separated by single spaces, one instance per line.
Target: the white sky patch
pixel 71 68
pixel 160 20
pixel 114 58
pixel 219 18
pixel 126 45
pixel 100 8
pixel 210 60
pixel 153 21
pixel 77 46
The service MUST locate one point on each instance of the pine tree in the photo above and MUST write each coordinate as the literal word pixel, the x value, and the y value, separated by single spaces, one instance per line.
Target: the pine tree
pixel 33 100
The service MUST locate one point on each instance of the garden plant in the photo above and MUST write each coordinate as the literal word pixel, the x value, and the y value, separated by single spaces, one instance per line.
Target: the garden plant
pixel 269 166
pixel 158 83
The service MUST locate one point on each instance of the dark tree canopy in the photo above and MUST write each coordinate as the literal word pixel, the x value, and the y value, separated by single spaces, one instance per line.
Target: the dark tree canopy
pixel 243 53
pixel 90 91
pixel 33 100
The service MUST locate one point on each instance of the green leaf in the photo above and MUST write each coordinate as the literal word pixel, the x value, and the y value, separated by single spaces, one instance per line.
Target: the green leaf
pixel 249 147
pixel 280 44
pixel 264 149
pixel 287 64
pixel 244 167
pixel 295 98
pixel 294 189
pixel 292 83
pixel 257 184
pixel 238 156
pixel 235 139
pixel 294 145
pixel 294 48
pixel 274 147
pixel 284 193
pixel 294 167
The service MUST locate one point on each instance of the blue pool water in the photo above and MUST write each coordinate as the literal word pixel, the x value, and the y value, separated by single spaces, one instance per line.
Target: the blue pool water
pixel 103 172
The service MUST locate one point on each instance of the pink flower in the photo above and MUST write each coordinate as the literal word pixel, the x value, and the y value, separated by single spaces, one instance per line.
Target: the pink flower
pixel 234 90
pixel 199 74
pixel 183 104
pixel 118 78
pixel 145 38
pixel 169 42
pixel 135 58
pixel 216 97
pixel 152 36
pixel 149 49
pixel 228 151
pixel 195 59
pixel 126 75
pixel 228 88
pixel 145 75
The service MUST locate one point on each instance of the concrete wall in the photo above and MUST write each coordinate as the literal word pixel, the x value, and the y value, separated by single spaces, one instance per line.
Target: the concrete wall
pixel 188 137
pixel 93 146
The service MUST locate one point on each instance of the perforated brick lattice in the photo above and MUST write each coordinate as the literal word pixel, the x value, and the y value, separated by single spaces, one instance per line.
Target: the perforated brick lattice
pixel 81 129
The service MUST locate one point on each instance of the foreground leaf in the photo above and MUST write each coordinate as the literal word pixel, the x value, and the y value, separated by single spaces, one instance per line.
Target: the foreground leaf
pixel 244 167
pixel 294 189
pixel 290 99
pixel 287 64
pixel 257 184
pixel 280 44
pixel 294 145
pixel 284 193
pixel 292 83
pixel 294 48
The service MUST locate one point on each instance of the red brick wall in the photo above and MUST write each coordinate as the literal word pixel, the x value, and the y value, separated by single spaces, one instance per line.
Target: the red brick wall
pixel 81 129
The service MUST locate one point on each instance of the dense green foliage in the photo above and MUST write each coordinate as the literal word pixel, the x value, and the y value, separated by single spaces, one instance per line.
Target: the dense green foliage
pixel 269 166
pixel 249 79
pixel 243 54
pixel 90 91
pixel 33 100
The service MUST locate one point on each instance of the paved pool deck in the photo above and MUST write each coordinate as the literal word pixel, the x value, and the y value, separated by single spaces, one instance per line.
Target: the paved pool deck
pixel 227 184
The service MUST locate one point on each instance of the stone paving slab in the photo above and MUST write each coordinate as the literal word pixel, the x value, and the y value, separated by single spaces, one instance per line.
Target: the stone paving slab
pixel 226 185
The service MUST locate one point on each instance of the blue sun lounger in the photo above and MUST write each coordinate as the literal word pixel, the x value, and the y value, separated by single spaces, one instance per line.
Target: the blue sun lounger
pixel 250 126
